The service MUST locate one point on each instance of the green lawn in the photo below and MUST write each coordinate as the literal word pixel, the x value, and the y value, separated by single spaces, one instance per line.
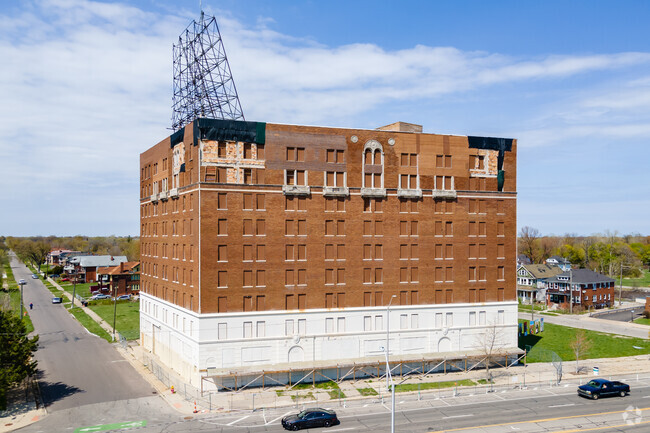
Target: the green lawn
pixel 128 316
pixel 642 321
pixel 14 299
pixel 82 289
pixel 644 281
pixel 90 324
pixel 557 339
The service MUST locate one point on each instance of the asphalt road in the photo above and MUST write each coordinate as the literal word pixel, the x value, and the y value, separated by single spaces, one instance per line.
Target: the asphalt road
pixel 622 316
pixel 76 368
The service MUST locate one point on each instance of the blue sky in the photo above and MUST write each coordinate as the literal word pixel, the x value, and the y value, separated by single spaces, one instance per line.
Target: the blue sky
pixel 87 87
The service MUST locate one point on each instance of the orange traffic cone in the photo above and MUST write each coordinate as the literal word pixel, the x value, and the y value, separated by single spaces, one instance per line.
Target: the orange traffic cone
pixel 195 411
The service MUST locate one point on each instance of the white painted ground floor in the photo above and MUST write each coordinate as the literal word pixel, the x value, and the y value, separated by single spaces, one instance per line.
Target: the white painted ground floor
pixel 191 343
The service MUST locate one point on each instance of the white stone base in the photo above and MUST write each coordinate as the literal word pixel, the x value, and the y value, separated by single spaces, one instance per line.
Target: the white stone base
pixel 189 343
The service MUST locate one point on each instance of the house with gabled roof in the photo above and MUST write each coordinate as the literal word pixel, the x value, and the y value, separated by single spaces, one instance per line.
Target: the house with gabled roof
pixel 531 281
pixel 587 288
pixel 123 279
pixel 560 262
pixel 86 266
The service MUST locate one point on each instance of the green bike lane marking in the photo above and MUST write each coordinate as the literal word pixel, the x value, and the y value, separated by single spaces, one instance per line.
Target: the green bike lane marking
pixel 114 426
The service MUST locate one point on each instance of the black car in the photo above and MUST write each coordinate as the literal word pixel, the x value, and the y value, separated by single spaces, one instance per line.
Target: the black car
pixel 603 388
pixel 315 417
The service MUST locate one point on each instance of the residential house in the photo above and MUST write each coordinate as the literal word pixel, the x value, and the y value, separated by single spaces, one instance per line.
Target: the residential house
pixel 123 279
pixel 56 256
pixel 561 262
pixel 531 281
pixel 86 266
pixel 589 289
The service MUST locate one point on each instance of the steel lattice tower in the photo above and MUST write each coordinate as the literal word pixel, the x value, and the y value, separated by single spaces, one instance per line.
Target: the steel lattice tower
pixel 203 83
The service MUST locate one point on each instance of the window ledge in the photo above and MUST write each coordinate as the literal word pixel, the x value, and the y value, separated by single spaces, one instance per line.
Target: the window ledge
pixel 373 192
pixel 443 193
pixel 336 191
pixel 296 189
pixel 409 193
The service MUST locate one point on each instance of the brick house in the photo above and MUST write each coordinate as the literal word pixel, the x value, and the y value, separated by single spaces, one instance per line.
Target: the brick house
pixel 86 266
pixel 123 279
pixel 589 289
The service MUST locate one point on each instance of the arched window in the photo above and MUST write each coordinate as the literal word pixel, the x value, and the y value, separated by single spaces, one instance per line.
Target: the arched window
pixel 373 165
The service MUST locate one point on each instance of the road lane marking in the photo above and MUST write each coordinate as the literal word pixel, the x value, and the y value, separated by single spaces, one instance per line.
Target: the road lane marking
pixel 537 421
pixel 237 420
pixel 563 405
pixel 458 416
pixel 602 428
pixel 280 417
pixel 342 429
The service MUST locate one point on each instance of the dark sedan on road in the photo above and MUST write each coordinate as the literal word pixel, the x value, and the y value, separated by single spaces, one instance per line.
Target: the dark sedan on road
pixel 603 388
pixel 315 417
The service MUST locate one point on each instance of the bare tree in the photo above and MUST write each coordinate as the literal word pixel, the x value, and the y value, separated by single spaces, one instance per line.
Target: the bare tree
pixel 529 238
pixel 580 345
pixel 491 344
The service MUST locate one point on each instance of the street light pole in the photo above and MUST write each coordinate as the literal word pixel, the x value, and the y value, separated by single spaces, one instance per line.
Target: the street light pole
pixel 74 289
pixel 390 385
pixel 114 309
pixel 22 284
pixel 570 291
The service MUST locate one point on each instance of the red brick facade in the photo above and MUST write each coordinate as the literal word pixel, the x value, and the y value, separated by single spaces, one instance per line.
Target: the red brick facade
pixel 242 232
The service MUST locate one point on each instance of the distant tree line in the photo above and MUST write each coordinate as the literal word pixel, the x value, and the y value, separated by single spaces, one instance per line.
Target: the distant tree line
pixel 606 253
pixel 35 249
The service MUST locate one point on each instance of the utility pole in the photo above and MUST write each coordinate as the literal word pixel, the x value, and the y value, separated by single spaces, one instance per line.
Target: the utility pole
pixel 570 291
pixel 114 309
pixel 390 385
pixel 74 289
pixel 22 284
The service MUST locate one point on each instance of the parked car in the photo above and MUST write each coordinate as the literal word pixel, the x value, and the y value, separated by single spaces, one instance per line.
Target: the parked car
pixel 99 296
pixel 56 300
pixel 603 388
pixel 308 418
pixel 34 276
pixel 124 297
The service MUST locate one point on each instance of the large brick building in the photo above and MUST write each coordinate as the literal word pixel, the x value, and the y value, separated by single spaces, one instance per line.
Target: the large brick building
pixel 264 244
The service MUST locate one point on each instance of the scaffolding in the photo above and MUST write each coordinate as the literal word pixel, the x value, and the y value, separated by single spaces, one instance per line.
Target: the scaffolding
pixel 203 83
pixel 404 367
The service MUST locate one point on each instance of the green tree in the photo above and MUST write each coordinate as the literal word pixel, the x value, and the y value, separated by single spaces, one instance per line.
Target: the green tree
pixel 16 353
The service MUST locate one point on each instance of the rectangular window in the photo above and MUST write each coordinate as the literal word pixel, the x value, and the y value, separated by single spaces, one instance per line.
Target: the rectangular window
pixel 248 329
pixel 222 331
pixel 501 229
pixel 222 201
pixel 222 254
pixel 222 279
pixel 288 327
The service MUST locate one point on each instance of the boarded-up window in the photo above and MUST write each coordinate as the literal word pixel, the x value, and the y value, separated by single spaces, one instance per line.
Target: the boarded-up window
pixel 247 227
pixel 302 304
pixel 222 279
pixel 261 278
pixel 367 299
pixel 222 201
pixel 222 254
pixel 379 276
pixel 302 277
pixel 248 278
pixel 449 274
pixel 289 227
pixel 340 276
pixel 329 276
pixel 501 251
pixel 302 252
pixel 289 277
pixel 261 228
pixel 302 227
pixel 501 229
pixel 222 304
pixel 260 202
pixel 261 253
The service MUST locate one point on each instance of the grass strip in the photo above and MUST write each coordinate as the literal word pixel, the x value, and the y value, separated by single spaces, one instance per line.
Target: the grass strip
pixel 366 392
pixel 90 324
pixel 128 316
pixel 407 387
